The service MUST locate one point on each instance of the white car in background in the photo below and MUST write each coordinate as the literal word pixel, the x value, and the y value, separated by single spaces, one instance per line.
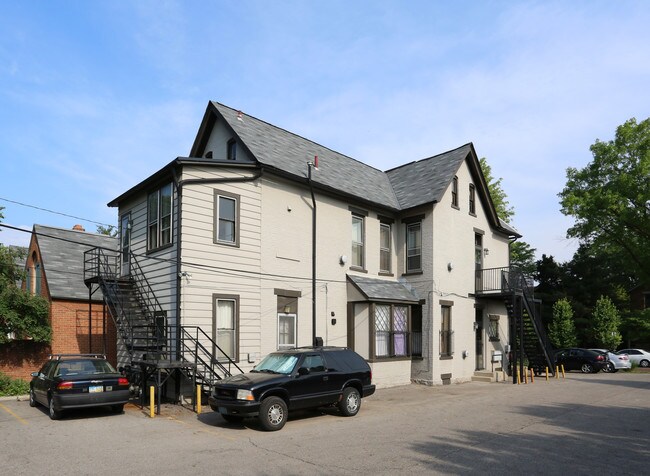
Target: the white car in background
pixel 615 361
pixel 637 356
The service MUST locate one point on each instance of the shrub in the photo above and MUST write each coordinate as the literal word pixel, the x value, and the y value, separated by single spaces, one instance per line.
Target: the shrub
pixel 10 387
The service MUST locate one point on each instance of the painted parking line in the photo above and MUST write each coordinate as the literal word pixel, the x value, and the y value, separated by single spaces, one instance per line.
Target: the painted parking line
pixel 21 420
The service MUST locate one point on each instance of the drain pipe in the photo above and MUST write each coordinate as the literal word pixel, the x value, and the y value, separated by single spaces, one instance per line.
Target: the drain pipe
pixel 313 165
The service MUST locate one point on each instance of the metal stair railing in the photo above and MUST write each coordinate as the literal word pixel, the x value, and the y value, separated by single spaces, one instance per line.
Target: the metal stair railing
pixel 193 343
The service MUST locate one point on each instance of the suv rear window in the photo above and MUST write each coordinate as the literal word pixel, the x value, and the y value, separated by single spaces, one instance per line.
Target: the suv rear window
pixel 345 360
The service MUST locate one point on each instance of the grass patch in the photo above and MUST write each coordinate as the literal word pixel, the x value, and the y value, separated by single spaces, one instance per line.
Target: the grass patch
pixel 11 387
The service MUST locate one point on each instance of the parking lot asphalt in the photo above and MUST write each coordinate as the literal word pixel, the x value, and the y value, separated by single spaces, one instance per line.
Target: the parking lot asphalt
pixel 583 424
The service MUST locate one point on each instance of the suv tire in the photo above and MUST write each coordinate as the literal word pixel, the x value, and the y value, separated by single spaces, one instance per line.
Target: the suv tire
pixel 273 413
pixel 350 404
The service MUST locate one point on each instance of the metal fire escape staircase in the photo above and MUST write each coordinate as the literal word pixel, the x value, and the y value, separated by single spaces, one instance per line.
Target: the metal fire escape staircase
pixel 151 350
pixel 529 343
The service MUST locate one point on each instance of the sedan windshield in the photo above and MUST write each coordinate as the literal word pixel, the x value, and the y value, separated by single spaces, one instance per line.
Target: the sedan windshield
pixel 277 363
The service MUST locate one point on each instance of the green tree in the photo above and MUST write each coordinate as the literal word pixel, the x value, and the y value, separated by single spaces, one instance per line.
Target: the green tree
pixel 21 314
pixel 562 331
pixel 499 197
pixel 606 321
pixel 610 197
pixel 109 230
pixel 522 255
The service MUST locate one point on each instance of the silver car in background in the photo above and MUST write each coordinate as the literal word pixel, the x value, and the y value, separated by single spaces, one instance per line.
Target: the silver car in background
pixel 615 361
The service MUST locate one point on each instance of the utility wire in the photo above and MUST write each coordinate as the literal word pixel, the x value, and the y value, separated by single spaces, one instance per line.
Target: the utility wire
pixel 56 213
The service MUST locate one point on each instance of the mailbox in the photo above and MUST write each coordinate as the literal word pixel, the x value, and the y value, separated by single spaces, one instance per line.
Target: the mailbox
pixel 497 356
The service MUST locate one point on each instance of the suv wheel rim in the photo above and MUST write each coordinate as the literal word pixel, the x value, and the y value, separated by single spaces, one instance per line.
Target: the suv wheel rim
pixel 275 414
pixel 352 402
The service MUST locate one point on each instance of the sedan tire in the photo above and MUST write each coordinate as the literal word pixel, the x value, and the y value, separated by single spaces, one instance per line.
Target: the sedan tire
pixel 273 413
pixel 609 368
pixel 32 398
pixel 54 414
pixel 644 363
pixel 587 368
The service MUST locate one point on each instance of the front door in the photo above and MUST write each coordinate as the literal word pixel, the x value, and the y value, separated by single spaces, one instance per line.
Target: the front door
pixel 478 330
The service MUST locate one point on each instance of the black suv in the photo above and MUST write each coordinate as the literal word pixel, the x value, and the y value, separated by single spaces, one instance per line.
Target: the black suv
pixel 306 377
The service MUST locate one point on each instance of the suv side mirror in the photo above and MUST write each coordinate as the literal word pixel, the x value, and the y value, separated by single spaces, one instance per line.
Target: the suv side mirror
pixel 303 371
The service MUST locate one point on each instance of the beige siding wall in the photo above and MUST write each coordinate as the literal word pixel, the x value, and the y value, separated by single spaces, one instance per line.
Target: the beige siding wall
pixel 219 269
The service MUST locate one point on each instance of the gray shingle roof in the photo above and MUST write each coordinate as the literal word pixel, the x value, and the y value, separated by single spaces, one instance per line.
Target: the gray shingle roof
pixel 288 152
pixel 62 255
pixel 383 290
pixel 425 181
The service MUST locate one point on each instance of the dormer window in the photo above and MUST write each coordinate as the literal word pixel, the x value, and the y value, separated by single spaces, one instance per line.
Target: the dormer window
pixel 232 149
pixel 472 199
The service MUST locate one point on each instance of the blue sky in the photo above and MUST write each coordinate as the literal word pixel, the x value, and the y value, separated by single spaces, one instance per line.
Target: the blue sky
pixel 95 96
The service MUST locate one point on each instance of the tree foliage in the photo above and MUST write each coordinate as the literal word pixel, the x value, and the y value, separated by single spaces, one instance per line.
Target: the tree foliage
pixel 109 230
pixel 610 197
pixel 499 197
pixel 522 255
pixel 22 316
pixel 606 321
pixel 562 331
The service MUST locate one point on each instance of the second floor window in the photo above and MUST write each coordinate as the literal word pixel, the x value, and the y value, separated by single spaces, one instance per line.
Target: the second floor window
pixel 384 248
pixel 472 199
pixel 357 241
pixel 226 218
pixel 159 218
pixel 413 247
pixel 454 192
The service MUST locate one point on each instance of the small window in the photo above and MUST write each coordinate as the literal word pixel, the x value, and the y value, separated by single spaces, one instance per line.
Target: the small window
pixel 226 218
pixel 446 334
pixel 357 241
pixel 413 247
pixel 286 331
pixel 384 248
pixel 159 218
pixel 454 193
pixel 472 199
pixel 493 328
pixel 232 149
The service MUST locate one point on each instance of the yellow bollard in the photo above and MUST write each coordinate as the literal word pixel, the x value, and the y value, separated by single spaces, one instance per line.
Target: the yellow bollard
pixel 532 376
pixel 546 373
pixel 563 376
pixel 518 378
pixel 557 372
pixel 152 398
pixel 198 399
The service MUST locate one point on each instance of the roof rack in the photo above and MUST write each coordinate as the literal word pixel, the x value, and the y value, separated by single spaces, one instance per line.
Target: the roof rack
pixel 63 356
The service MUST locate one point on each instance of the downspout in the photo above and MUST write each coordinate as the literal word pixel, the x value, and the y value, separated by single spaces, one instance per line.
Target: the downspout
pixel 310 165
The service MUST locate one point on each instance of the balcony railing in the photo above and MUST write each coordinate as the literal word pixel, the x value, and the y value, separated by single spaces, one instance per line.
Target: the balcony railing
pixel 502 280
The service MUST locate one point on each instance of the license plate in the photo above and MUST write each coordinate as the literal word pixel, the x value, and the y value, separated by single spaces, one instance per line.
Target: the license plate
pixel 223 411
pixel 96 389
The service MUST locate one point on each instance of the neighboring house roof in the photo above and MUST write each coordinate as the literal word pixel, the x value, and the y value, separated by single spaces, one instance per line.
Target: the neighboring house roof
pixel 62 258
pixel 383 290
